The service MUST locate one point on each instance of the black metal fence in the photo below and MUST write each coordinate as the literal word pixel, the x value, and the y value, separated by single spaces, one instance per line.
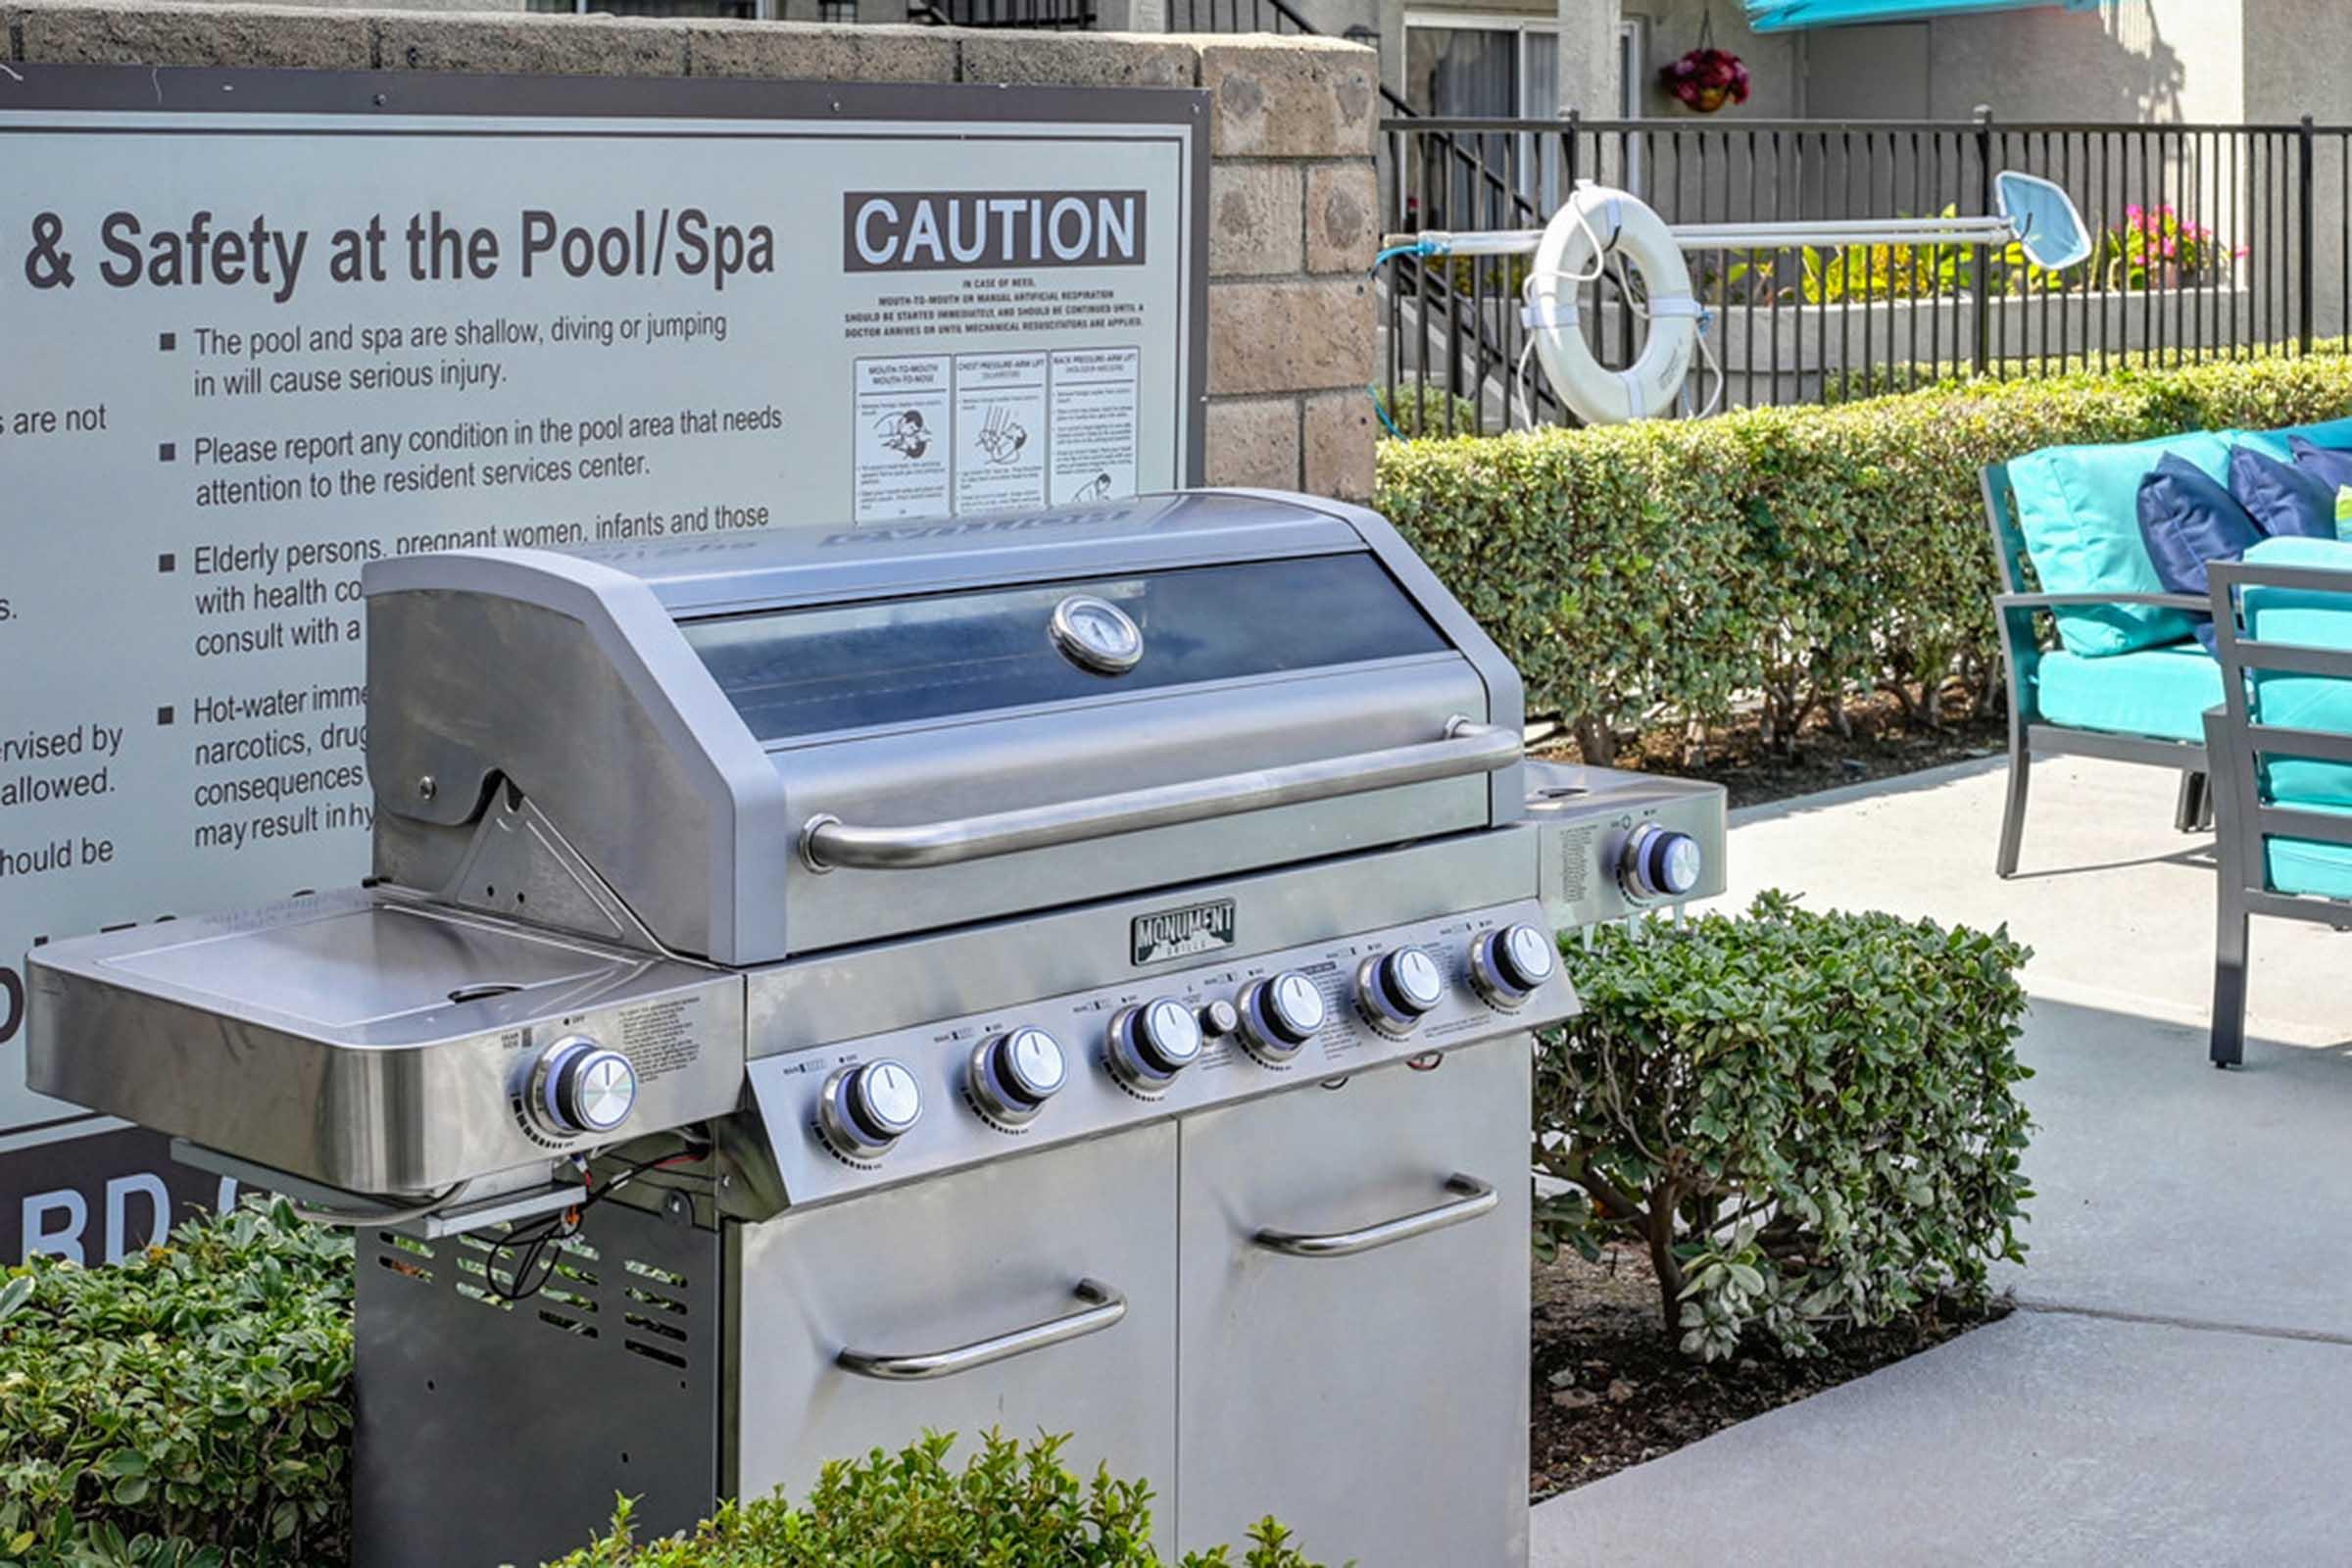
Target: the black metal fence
pixel 2208 240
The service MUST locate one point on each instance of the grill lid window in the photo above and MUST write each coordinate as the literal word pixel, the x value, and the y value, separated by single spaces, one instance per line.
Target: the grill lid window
pixel 800 673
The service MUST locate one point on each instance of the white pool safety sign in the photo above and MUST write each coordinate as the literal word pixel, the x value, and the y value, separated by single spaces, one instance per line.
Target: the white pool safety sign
pixel 264 327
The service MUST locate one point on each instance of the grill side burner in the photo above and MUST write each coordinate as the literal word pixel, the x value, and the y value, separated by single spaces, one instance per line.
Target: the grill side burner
pixel 1070 971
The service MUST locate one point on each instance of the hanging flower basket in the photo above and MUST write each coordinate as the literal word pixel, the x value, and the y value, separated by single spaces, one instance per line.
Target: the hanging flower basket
pixel 1707 78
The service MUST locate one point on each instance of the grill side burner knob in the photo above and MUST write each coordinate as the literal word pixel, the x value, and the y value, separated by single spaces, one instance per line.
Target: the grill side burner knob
pixel 1399 989
pixel 1508 966
pixel 1014 1074
pixel 1149 1045
pixel 868 1108
pixel 1660 864
pixel 583 1088
pixel 1280 1014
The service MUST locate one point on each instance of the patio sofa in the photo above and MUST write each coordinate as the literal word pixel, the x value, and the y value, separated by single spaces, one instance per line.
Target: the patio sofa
pixel 2127 679
pixel 2280 748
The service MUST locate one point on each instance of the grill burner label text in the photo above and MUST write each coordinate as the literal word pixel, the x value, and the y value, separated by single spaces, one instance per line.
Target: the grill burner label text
pixel 1181 933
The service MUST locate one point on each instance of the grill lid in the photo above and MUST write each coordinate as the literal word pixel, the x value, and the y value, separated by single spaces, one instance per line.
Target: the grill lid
pixel 888 730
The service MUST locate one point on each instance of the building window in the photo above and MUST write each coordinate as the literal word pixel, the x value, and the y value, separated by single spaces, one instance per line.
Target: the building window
pixel 1633 66
pixel 837 9
pixel 1486 68
pixel 1499 68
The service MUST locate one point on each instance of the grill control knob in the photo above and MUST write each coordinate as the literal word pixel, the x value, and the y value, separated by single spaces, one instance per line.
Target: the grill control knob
pixel 1660 864
pixel 580 1087
pixel 868 1108
pixel 1014 1074
pixel 1149 1045
pixel 1280 1014
pixel 1399 989
pixel 1508 966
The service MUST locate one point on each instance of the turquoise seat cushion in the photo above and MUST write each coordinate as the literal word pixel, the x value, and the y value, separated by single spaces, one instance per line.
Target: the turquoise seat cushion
pixel 2310 866
pixel 2160 693
pixel 2302 702
pixel 2078 510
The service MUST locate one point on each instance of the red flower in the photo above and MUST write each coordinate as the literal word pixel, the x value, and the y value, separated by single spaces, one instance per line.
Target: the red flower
pixel 1706 79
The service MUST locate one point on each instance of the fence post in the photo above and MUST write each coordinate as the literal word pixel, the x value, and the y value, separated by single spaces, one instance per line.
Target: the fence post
pixel 2306 274
pixel 1981 289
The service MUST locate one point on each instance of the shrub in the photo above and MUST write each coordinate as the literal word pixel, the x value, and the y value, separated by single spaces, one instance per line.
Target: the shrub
pixel 1422 410
pixel 1807 1119
pixel 1010 1506
pixel 1948 377
pixel 186 1409
pixel 1667 567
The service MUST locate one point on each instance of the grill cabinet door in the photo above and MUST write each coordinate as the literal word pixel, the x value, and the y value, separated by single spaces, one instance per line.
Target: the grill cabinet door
pixel 1377 1403
pixel 950 1260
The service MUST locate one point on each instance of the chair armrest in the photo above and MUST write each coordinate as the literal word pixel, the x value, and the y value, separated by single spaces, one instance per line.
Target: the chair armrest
pixel 2188 602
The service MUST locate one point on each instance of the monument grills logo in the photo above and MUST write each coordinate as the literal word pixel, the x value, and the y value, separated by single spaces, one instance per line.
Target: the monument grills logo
pixel 1181 933
pixel 943 231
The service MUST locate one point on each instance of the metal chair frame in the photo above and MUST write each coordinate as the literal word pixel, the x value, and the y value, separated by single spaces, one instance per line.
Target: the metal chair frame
pixel 2019 610
pixel 2235 742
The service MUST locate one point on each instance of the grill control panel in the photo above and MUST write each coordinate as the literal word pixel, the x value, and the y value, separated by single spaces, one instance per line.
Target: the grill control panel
pixel 918 1100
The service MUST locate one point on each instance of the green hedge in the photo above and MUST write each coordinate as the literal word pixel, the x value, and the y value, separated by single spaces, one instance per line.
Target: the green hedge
pixel 186 1409
pixel 1008 1506
pixel 1665 568
pixel 1807 1119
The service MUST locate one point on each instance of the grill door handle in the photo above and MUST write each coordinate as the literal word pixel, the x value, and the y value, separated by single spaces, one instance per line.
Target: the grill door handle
pixel 1103 1308
pixel 1468 747
pixel 1472 1197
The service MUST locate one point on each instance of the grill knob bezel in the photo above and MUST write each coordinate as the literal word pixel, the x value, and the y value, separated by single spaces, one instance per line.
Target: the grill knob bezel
pixel 1503 964
pixel 1276 1022
pixel 851 1118
pixel 1004 1086
pixel 1652 863
pixel 1384 988
pixel 573 1085
pixel 1150 1043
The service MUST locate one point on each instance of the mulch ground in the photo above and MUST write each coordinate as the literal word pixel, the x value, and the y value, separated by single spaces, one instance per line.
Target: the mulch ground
pixel 1611 1390
pixel 1878 744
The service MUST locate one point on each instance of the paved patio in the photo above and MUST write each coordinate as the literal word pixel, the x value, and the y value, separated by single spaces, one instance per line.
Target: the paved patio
pixel 2175 1391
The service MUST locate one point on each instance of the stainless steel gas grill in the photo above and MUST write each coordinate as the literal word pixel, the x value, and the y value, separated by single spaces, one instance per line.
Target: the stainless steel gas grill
pixel 1066 971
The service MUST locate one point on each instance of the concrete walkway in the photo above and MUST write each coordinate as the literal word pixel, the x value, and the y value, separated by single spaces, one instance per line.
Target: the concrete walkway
pixel 2176 1390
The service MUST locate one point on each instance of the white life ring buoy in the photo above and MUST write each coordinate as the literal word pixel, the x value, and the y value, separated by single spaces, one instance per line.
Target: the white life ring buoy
pixel 1596 223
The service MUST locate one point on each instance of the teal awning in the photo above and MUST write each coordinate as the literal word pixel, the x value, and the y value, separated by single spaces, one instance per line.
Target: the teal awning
pixel 1782 16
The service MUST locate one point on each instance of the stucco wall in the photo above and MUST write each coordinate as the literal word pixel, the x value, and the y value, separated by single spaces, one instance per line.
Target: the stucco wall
pixel 2131 60
pixel 1776 62
pixel 1294 224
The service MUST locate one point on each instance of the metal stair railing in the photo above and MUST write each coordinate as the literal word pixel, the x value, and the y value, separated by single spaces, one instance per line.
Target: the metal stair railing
pixel 1432 289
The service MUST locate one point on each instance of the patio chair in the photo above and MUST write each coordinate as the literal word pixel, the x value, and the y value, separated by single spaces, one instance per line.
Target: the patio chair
pixel 2126 679
pixel 2281 749
pixel 2142 703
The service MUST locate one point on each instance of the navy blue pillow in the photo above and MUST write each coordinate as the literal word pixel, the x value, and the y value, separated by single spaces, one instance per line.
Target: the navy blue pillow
pixel 2188 519
pixel 2285 500
pixel 2333 467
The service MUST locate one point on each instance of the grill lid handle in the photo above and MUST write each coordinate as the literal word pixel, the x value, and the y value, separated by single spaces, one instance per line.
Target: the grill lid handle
pixel 1468 748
